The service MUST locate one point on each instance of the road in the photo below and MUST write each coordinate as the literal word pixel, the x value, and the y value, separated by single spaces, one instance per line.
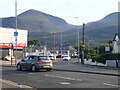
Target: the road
pixel 55 79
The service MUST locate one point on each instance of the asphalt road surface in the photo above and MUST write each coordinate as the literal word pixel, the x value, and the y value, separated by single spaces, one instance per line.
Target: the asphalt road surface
pixel 55 79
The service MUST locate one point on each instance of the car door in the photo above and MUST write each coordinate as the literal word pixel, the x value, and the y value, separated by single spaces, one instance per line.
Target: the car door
pixel 29 62
pixel 24 61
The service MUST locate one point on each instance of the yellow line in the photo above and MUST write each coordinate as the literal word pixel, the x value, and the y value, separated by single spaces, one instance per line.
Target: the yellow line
pixel 14 84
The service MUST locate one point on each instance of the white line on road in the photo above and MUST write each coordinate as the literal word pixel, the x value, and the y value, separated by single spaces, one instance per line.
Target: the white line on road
pixel 30 73
pixel 65 83
pixel 111 85
pixel 64 78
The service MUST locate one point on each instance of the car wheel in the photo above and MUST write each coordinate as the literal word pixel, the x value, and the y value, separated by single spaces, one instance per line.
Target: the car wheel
pixel 49 69
pixel 19 67
pixel 33 68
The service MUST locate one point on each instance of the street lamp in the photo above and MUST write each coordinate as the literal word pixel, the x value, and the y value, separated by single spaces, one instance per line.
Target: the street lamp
pixel 54 45
pixel 78 42
pixel 16 33
pixel 61 43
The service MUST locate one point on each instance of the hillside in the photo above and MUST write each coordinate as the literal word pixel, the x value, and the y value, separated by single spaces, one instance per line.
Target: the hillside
pixel 99 31
pixel 41 26
pixel 36 21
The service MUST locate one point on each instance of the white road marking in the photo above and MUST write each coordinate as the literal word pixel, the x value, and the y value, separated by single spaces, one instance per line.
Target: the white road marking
pixel 64 78
pixel 111 85
pixel 65 83
pixel 30 73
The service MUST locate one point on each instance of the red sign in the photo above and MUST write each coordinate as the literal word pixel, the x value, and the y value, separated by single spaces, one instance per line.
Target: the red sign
pixel 19 45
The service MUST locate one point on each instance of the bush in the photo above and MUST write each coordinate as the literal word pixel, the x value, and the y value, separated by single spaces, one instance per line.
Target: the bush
pixel 101 58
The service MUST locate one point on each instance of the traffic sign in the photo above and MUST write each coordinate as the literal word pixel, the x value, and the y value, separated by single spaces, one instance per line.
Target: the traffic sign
pixel 15 33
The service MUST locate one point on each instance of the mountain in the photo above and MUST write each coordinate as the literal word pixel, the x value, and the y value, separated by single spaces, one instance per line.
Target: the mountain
pixel 41 26
pixel 98 31
pixel 36 21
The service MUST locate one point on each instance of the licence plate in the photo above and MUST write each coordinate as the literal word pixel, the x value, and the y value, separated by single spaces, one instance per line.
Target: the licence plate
pixel 46 66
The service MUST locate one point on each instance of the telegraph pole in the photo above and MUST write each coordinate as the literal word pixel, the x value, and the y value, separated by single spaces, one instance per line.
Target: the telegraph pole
pixel 83 46
pixel 78 42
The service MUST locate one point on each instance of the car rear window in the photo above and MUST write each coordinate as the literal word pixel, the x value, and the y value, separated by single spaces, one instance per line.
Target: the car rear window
pixel 43 58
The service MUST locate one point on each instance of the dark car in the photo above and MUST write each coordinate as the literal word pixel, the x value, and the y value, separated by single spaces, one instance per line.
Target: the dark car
pixel 34 63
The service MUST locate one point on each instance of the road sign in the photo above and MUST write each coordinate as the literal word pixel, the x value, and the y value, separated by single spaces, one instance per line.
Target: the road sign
pixel 107 49
pixel 15 33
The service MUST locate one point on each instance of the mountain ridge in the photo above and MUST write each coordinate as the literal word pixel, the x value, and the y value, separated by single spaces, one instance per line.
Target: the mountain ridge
pixel 37 22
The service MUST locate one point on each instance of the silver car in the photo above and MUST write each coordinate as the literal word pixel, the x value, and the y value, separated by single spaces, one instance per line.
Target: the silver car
pixel 34 63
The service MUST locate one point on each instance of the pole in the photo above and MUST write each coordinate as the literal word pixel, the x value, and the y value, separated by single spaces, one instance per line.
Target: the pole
pixel 61 43
pixel 11 52
pixel 16 30
pixel 78 42
pixel 83 44
pixel 54 44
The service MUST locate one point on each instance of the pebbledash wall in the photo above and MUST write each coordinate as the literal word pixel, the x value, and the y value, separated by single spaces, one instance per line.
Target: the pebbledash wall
pixel 8 44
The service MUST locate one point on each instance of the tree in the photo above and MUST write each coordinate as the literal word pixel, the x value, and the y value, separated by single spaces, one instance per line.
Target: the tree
pixel 88 51
pixel 34 42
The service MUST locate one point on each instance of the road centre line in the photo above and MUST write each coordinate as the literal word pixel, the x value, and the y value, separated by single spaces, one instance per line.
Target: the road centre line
pixel 111 85
pixel 64 78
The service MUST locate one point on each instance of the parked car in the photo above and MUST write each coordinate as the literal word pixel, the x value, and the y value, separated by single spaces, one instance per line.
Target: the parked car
pixel 66 58
pixel 35 63
pixel 51 57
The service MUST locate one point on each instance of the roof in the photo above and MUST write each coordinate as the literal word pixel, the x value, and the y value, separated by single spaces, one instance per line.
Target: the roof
pixel 117 34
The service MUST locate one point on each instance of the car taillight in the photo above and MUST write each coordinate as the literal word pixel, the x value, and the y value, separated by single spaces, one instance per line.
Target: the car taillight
pixel 39 61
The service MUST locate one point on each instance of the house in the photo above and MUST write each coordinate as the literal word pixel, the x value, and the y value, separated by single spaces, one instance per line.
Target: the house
pixel 116 43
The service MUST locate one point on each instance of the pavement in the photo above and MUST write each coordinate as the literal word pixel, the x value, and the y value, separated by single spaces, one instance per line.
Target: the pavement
pixel 92 69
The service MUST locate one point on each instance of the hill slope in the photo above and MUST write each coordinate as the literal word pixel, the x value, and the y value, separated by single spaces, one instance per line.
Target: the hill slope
pixel 40 26
pixel 36 21
pixel 99 31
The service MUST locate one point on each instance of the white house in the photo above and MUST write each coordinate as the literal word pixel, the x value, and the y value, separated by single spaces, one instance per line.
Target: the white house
pixel 116 43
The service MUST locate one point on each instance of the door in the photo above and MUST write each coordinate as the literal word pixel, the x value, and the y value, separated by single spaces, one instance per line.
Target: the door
pixel 24 62
pixel 30 62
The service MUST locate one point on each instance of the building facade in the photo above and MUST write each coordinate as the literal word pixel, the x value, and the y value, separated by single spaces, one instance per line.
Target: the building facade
pixel 8 46
pixel 116 43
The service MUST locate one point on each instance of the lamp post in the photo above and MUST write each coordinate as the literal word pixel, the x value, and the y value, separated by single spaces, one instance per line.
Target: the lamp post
pixel 78 41
pixel 61 44
pixel 54 45
pixel 16 33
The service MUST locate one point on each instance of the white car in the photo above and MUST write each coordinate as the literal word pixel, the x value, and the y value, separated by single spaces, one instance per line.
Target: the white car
pixel 66 58
pixel 51 57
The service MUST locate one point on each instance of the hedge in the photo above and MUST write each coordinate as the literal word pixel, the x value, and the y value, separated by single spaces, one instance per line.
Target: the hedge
pixel 101 58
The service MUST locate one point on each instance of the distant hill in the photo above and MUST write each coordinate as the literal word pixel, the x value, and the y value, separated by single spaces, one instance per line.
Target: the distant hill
pixel 99 31
pixel 36 21
pixel 41 26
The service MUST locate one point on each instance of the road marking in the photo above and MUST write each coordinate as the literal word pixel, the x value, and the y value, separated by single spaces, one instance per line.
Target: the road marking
pixel 65 83
pixel 111 85
pixel 30 73
pixel 14 84
pixel 64 78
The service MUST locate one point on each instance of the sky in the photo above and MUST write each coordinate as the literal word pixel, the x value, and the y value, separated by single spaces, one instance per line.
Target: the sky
pixel 86 10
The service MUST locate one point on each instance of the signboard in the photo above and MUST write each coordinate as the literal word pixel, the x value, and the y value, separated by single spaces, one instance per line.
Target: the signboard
pixel 15 33
pixel 19 45
pixel 107 49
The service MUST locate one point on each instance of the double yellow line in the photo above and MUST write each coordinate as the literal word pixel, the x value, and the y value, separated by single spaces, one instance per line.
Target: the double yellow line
pixel 14 84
